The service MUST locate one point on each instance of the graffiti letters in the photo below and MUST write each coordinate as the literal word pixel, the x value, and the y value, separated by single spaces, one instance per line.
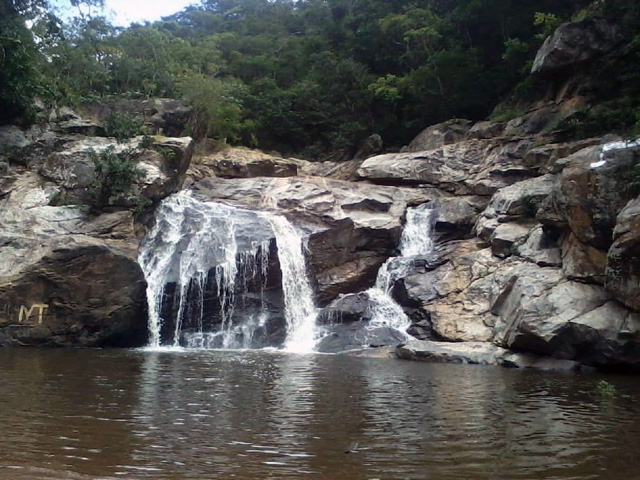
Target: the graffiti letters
pixel 25 313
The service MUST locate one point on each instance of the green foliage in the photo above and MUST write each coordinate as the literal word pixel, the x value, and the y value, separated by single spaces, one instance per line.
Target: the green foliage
pixel 19 80
pixel 123 126
pixel 217 106
pixel 547 23
pixel 307 76
pixel 606 389
pixel 116 174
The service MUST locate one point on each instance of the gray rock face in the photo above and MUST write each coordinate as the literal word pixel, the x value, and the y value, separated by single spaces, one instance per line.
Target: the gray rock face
pixel 161 116
pixel 592 191
pixel 541 249
pixel 66 278
pixel 507 237
pixel 574 43
pixel 439 135
pixel 532 123
pixel 353 228
pixel 478 353
pixel 241 163
pixel 623 259
pixel 471 167
pixel 457 216
pixel 540 311
pixel 456 295
pixel 163 165
pixel 582 262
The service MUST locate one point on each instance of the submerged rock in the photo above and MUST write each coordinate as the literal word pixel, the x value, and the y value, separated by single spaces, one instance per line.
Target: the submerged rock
pixel 479 353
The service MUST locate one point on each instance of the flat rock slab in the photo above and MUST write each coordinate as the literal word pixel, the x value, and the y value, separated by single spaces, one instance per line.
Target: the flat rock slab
pixel 479 353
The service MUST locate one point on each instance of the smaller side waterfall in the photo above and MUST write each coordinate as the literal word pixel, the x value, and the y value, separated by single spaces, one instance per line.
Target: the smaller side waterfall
pixel 416 240
pixel 300 310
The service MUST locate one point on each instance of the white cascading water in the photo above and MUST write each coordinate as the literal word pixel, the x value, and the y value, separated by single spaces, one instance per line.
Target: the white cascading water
pixel 416 240
pixel 192 240
pixel 300 310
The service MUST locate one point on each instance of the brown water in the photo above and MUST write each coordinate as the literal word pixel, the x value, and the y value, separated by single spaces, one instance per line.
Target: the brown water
pixel 254 415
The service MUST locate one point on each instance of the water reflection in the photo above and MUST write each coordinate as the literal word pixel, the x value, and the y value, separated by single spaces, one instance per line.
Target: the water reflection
pixel 248 415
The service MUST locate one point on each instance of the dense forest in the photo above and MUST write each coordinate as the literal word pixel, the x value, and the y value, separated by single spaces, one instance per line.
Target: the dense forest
pixel 307 77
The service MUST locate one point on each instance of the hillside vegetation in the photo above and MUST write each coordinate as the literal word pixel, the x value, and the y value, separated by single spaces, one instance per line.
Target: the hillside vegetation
pixel 312 77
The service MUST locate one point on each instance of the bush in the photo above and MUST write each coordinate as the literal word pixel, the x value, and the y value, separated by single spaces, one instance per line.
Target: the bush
pixel 123 126
pixel 116 174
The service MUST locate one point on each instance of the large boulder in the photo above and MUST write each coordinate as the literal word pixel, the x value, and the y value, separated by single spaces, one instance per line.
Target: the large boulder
pixel 358 336
pixel 161 116
pixel 541 311
pixel 240 163
pixel 623 259
pixel 455 295
pixel 574 43
pixel 439 135
pixel 67 278
pixel 470 167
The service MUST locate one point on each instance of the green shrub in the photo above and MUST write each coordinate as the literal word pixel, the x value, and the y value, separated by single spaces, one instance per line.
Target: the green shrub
pixel 123 126
pixel 116 174
pixel 605 389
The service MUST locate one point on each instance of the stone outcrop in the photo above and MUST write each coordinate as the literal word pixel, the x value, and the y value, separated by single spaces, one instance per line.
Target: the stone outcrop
pixel 240 163
pixel 69 274
pixel 353 228
pixel 623 258
pixel 574 43
pixel 470 167
pixel 67 278
pixel 479 353
pixel 439 135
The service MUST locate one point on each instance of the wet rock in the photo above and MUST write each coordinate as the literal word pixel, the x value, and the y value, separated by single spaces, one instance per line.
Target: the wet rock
pixel 353 228
pixel 355 336
pixel 623 259
pixel 353 307
pixel 574 43
pixel 479 353
pixel 439 135
pixel 530 360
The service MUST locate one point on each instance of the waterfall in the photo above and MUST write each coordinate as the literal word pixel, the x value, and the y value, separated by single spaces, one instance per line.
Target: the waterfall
pixel 416 240
pixel 300 311
pixel 212 257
